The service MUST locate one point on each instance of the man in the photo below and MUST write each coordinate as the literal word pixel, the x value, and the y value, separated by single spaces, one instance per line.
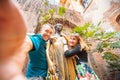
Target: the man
pixel 14 45
pixel 38 67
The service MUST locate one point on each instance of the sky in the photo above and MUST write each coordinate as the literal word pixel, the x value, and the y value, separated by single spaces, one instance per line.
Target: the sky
pixel 56 2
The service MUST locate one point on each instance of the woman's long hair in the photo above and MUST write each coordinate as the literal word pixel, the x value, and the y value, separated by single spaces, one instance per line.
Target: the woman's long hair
pixel 80 41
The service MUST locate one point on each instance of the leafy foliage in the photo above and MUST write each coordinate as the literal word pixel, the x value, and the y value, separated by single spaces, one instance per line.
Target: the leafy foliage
pixel 88 30
pixel 117 35
pixel 107 35
pixel 114 65
pixel 62 10
pixel 101 46
pixel 108 44
pixel 47 16
pixel 110 56
pixel 46 3
pixel 112 60
pixel 115 45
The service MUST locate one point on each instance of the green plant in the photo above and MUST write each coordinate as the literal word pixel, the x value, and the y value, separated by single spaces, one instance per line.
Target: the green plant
pixel 112 60
pixel 62 10
pixel 88 30
pixel 48 16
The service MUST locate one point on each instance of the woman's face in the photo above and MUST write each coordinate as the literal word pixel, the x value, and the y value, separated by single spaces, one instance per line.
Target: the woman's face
pixel 73 41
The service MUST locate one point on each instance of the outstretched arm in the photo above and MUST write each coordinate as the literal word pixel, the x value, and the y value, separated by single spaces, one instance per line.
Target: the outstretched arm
pixel 76 50
pixel 12 28
pixel 13 42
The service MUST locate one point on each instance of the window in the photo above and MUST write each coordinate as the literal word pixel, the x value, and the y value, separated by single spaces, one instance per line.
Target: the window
pixel 86 3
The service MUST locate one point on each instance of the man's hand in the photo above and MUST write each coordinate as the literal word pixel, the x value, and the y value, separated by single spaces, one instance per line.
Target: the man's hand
pixel 12 28
pixel 12 42
pixel 53 40
pixel 51 67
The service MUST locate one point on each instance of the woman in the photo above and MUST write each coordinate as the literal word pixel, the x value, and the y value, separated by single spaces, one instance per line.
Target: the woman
pixel 78 51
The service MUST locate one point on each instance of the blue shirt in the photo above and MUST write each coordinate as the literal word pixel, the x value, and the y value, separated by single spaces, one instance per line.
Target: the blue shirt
pixel 38 62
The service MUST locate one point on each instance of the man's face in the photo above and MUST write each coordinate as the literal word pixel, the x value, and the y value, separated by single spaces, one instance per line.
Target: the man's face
pixel 46 32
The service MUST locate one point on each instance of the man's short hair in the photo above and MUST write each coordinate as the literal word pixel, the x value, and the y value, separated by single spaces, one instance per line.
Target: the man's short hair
pixel 46 25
